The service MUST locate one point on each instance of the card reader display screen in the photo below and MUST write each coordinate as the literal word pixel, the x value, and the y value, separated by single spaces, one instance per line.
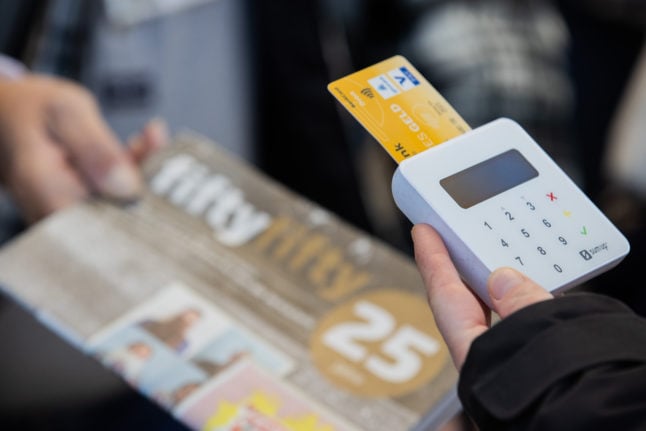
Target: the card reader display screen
pixel 489 178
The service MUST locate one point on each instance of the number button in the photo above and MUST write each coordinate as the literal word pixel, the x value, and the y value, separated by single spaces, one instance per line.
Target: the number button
pixel 518 258
pixel 509 216
pixel 504 243
pixel 541 250
pixel 525 233
pixel 530 206
pixel 488 225
pixel 558 269
pixel 562 240
pixel 547 223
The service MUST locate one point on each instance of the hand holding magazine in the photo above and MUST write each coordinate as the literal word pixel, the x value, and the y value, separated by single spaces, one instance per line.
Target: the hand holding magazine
pixel 231 302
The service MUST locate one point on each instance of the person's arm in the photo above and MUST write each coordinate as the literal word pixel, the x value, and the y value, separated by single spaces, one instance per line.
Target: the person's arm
pixel 577 362
pixel 55 147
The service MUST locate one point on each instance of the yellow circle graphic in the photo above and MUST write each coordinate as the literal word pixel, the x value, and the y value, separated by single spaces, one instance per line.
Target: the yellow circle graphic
pixel 384 343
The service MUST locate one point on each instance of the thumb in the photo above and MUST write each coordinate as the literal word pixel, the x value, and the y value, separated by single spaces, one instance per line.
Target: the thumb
pixel 511 290
pixel 151 138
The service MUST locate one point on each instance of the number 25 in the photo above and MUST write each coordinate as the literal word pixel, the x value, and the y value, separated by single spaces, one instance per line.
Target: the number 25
pixel 400 347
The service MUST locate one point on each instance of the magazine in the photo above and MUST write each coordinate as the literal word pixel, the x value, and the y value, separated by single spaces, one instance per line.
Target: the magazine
pixel 236 304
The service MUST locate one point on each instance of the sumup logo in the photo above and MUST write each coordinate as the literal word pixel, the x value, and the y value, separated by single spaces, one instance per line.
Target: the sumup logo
pixel 589 253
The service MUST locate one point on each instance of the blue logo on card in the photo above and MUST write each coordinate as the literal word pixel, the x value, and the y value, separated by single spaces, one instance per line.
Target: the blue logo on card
pixel 409 75
pixel 404 78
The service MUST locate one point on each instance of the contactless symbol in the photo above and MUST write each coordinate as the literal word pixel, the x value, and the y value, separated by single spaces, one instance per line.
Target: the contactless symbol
pixel 551 196
pixel 585 254
pixel 368 93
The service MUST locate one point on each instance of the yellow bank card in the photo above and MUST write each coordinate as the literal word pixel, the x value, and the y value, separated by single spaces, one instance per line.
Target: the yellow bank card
pixel 399 108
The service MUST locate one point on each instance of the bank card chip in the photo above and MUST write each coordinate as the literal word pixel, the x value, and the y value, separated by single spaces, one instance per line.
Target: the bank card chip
pixel 398 107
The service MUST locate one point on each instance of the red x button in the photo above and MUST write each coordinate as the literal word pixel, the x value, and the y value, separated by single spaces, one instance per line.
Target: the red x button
pixel 551 196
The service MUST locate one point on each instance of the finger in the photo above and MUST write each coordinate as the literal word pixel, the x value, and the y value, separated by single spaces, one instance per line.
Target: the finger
pixel 511 290
pixel 75 123
pixel 44 183
pixel 151 138
pixel 459 314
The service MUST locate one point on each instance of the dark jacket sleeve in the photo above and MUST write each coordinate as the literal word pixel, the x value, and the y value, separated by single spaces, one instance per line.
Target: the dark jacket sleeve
pixel 577 362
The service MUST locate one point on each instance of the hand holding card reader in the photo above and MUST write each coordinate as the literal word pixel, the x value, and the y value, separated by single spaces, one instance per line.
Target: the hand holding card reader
pixel 492 193
pixel 497 199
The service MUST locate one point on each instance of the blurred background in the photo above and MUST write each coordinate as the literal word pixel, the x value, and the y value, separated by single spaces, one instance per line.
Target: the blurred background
pixel 252 75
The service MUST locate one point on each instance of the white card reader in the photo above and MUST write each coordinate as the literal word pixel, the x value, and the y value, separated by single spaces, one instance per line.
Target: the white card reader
pixel 497 199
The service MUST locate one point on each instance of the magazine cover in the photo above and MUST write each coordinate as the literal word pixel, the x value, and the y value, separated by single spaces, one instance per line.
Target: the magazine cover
pixel 236 304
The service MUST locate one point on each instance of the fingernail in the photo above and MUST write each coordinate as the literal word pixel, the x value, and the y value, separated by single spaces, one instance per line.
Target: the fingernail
pixel 160 132
pixel 122 182
pixel 414 229
pixel 502 280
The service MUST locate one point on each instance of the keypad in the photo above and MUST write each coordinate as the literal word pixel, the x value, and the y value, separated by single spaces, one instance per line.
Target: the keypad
pixel 537 233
